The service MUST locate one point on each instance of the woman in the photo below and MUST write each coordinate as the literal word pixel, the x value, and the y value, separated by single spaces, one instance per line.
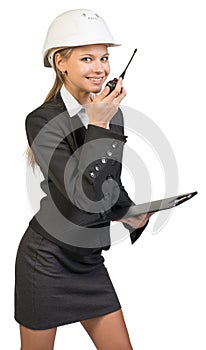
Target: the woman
pixel 77 138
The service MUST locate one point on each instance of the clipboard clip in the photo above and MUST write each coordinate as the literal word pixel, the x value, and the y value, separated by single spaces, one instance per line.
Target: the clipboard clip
pixel 182 198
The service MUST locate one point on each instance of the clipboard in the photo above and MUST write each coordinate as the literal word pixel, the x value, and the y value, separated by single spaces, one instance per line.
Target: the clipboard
pixel 149 207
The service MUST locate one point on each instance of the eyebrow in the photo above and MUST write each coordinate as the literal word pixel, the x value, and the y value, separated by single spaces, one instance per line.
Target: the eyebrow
pixel 89 54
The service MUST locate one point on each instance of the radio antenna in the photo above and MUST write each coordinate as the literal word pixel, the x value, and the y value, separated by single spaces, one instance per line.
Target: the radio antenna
pixel 123 73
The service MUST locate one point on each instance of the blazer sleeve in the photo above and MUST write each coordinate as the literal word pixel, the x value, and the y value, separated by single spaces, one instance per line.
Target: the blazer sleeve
pixel 125 201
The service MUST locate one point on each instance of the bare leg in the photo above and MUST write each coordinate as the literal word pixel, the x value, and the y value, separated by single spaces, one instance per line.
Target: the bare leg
pixel 37 340
pixel 108 332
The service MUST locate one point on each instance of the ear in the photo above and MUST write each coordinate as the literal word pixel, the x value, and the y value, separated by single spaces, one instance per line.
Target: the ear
pixel 60 62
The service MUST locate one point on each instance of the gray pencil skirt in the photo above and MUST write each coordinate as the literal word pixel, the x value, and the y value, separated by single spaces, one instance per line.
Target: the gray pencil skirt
pixel 52 289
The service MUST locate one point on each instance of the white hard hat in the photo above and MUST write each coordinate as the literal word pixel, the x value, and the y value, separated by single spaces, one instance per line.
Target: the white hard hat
pixel 76 28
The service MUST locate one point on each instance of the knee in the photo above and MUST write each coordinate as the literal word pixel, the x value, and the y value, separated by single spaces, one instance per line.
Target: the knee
pixel 125 345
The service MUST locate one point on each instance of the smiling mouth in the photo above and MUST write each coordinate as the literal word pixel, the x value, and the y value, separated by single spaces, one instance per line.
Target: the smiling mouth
pixel 96 79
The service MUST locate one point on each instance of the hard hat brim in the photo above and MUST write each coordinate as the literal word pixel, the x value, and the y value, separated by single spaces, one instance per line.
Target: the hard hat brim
pixel 47 62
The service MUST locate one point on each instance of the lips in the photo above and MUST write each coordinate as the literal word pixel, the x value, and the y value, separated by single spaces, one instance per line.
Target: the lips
pixel 98 80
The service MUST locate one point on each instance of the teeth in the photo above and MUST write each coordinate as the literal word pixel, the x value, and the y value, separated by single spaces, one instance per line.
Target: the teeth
pixel 96 79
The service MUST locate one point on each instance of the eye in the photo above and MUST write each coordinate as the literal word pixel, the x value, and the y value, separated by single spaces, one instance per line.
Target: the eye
pixel 105 58
pixel 86 59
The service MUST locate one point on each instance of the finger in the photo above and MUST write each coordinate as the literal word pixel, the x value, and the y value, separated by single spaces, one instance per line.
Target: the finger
pixel 116 100
pixel 105 92
pixel 150 214
pixel 121 96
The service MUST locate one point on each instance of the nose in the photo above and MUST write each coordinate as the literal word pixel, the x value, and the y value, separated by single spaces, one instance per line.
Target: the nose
pixel 98 66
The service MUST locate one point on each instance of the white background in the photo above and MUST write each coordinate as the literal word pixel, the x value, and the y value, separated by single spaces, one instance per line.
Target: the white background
pixel 159 280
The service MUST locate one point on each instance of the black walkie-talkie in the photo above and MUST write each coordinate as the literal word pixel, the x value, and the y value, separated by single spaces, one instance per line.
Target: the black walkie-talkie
pixel 112 83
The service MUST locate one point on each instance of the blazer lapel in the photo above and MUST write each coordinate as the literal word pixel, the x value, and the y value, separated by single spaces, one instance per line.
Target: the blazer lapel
pixel 76 128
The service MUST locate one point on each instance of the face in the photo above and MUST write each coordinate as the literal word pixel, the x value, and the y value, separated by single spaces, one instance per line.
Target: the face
pixel 86 69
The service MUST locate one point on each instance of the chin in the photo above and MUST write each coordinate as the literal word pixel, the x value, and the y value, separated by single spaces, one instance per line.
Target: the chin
pixel 97 89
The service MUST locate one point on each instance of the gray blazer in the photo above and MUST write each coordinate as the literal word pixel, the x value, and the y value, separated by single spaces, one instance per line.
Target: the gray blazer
pixel 82 177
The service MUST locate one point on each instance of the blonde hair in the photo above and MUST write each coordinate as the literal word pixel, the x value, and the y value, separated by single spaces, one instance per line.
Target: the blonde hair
pixel 58 82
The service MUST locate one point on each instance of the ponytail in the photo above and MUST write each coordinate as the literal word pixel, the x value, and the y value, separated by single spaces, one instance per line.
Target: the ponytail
pixel 59 81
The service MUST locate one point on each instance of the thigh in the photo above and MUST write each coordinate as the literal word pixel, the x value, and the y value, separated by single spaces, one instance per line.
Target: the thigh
pixel 37 339
pixel 108 332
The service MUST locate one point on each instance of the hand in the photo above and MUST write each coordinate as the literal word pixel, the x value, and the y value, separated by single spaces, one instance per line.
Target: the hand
pixel 102 108
pixel 137 221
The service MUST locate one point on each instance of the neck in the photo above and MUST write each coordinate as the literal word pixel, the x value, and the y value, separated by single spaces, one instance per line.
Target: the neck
pixel 81 96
